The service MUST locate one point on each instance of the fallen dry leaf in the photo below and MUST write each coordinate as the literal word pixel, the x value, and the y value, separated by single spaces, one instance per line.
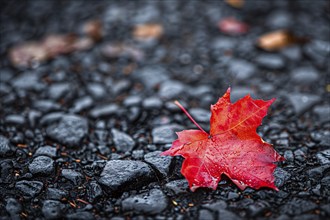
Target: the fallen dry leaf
pixel 235 3
pixel 122 50
pixel 233 26
pixel 148 31
pixel 232 147
pixel 93 29
pixel 277 40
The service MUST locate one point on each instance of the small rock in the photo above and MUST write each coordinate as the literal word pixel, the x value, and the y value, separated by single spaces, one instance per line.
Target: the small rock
pixel 200 115
pixel 96 90
pixel 29 188
pixel 133 100
pixel 323 112
pixel 239 92
pixel 279 19
pixel 46 105
pixel 205 214
pixel 293 53
pixel 152 202
pixel 73 176
pixel 305 75
pixel 241 69
pixel 178 186
pixel 165 134
pixel 270 61
pixel 4 146
pixel 152 76
pixel 215 206
pixel 27 81
pixel 69 131
pixel 82 104
pixel 56 194
pixel 323 157
pixel 106 110
pixel 171 89
pixel 258 208
pixel 58 90
pixel 288 155
pixel 123 142
pixel 318 172
pixel 15 119
pixel 302 102
pixel 42 165
pixel 94 191
pixel 14 208
pixel 46 151
pixel 232 196
pixel 161 163
pixel 152 103
pixel 225 214
pixel 80 215
pixel 298 206
pixel 124 174
pixel 52 209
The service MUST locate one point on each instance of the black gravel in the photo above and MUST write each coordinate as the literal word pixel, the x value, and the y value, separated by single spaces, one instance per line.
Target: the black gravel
pixel 81 134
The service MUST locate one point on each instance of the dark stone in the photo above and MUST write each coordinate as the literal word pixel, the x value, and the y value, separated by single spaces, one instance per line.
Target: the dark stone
pixel 106 110
pixel 133 100
pixel 5 148
pixel 225 214
pixel 46 105
pixel 14 208
pixel 94 191
pixel 232 196
pixel 29 188
pixel 258 208
pixel 152 76
pixel 51 118
pixel 305 75
pixel 200 115
pixel 96 90
pixel 82 103
pixel 152 103
pixel 80 215
pixel 56 194
pixel 205 215
pixel 6 171
pixel 70 130
pixel 215 206
pixel 279 19
pixel 239 92
pixel 72 175
pixel 292 53
pixel 322 112
pixel 298 206
pixel 270 61
pixel 27 80
pixel 123 142
pixel 288 155
pixel 299 155
pixel 161 163
pixel 46 151
pixel 42 165
pixel 178 186
pixel 125 174
pixel 171 89
pixel 52 209
pixel 302 102
pixel 137 154
pixel 15 119
pixel 58 90
pixel 318 51
pixel 224 43
pixel 323 157
pixel 281 176
pixel 152 202
pixel 165 134
pixel 241 69
pixel 318 172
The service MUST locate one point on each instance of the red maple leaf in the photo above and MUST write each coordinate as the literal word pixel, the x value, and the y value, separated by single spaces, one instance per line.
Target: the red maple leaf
pixel 232 147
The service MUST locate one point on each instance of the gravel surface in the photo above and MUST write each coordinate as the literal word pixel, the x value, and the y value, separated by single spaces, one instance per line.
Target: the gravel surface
pixel 82 125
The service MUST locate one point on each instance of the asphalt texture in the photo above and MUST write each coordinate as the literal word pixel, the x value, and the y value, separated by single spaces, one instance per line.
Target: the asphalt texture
pixel 81 133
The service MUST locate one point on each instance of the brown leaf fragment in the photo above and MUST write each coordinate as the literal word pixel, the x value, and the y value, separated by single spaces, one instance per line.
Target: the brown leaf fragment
pixel 93 29
pixel 277 40
pixel 26 54
pixel 235 3
pixel 148 31
pixel 122 50
pixel 59 44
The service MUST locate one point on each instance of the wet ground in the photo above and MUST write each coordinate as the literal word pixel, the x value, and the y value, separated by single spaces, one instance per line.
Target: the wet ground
pixel 81 129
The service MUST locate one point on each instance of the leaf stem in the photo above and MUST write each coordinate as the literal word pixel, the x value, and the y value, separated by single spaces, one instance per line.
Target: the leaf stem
pixel 188 115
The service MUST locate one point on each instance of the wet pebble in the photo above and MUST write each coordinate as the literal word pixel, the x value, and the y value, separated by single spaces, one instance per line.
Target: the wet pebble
pixel 205 214
pixel 171 89
pixel 178 186
pixel 96 90
pixel 124 174
pixel 161 163
pixel 270 61
pixel 4 146
pixel 75 177
pixel 298 206
pixel 281 176
pixel 70 130
pixel 304 75
pixel 152 103
pixel 105 110
pixel 29 188
pixel 82 103
pixel 200 115
pixel 133 100
pixel 322 112
pixel 302 102
pixel 79 215
pixel 14 208
pixel 58 90
pixel 165 134
pixel 123 142
pixel 46 105
pixel 323 157
pixel 94 191
pixel 42 165
pixel 15 119
pixel 152 75
pixel 56 194
pixel 241 69
pixel 46 151
pixel 152 202
pixel 318 172
pixel 52 209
